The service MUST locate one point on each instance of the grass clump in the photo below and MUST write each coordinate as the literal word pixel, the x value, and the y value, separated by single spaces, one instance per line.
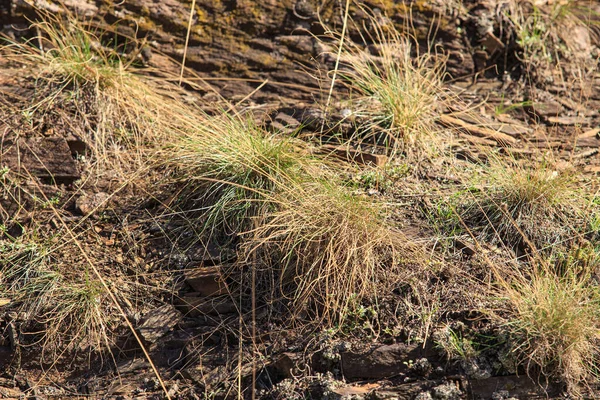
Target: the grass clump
pixel 526 205
pixel 553 318
pixel 233 167
pixel 81 84
pixel 547 33
pixel 325 248
pixel 315 246
pixel 64 309
pixel 399 89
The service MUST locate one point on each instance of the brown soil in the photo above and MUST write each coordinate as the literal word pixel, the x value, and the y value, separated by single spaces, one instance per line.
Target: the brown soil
pixel 266 54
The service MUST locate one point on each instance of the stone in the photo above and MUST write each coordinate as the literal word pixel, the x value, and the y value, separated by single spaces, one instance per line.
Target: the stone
pixel 545 109
pixel 48 158
pixel 206 255
pixel 158 322
pixel 569 120
pixel 380 362
pixel 477 368
pixel 352 155
pixel 356 390
pixel 446 391
pixel 285 363
pixel 521 387
pixel 89 204
pixel 194 305
pixel 206 281
pixel 424 396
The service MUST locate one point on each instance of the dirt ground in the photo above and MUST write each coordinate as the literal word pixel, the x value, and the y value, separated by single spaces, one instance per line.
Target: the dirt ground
pixel 270 58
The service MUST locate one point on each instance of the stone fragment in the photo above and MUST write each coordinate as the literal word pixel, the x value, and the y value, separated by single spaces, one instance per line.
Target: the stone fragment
pixel 352 155
pixel 194 305
pixel 447 391
pixel 88 204
pixel 380 362
pixel 45 157
pixel 207 281
pixel 158 322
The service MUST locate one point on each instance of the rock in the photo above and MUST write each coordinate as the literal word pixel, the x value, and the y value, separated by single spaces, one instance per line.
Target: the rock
pixel 48 158
pixel 492 43
pixel 6 354
pixel 356 391
pixel 446 391
pixel 193 305
pixel 285 363
pixel 204 377
pixel 468 249
pixel 521 387
pixel 577 38
pixel 424 396
pixel 158 322
pixel 76 145
pixel 254 41
pixel 591 133
pixel 501 395
pixel 544 109
pixel 9 389
pixel 422 367
pixel 207 255
pixel 284 123
pixel 380 362
pixel 569 120
pixel 206 281
pixel 89 204
pixel 478 368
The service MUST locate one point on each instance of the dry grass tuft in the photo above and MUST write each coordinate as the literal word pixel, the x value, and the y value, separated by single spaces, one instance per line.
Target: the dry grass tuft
pixel 324 248
pixel 67 307
pixel 231 167
pixel 399 89
pixel 526 205
pixel 553 319
pixel 59 305
pixel 93 88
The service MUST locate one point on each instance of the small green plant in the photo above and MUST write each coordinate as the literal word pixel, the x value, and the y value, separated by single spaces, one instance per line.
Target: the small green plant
pixel 381 179
pixel 28 116
pixel 504 108
pixel 47 203
pixel 357 316
pixel 442 216
pixel 456 345
pixel 594 222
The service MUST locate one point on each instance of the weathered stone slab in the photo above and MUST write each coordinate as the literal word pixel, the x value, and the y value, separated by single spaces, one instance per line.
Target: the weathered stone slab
pixel 207 281
pixel 48 158
pixel 158 322
pixel 194 305
pixel 352 155
pixel 520 387
pixel 380 362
